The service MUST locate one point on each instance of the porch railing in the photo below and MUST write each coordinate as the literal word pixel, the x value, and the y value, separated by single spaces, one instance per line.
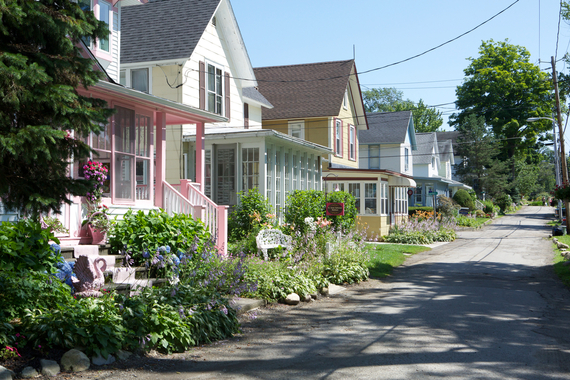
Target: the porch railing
pixel 190 200
pixel 479 205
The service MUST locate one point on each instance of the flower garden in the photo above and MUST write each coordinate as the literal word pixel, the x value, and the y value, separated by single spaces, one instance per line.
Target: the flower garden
pixel 192 304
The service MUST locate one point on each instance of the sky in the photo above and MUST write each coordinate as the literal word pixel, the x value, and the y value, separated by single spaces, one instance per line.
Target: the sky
pixel 382 32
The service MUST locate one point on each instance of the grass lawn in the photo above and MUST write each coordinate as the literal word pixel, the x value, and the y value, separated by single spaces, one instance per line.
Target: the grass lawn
pixel 385 257
pixel 471 222
pixel 562 271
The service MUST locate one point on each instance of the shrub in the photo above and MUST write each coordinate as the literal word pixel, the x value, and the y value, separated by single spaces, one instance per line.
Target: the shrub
pixel 343 222
pixel 425 231
pixel 505 202
pixel 25 246
pixel 138 233
pixel 240 219
pixel 302 204
pixel 447 207
pixel 463 198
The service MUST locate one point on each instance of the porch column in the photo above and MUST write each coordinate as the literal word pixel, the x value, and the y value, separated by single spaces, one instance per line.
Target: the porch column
pixel 160 158
pixel 200 156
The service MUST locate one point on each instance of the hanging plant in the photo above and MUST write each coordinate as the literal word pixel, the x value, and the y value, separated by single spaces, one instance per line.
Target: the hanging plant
pixel 562 191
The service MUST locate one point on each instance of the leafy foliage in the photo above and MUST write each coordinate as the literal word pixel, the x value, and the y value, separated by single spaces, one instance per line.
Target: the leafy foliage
pixel 505 88
pixel 138 233
pixel 240 220
pixel 505 202
pixel 426 119
pixel 25 246
pixel 463 198
pixel 39 104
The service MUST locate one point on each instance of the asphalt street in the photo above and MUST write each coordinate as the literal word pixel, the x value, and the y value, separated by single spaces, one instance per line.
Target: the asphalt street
pixel 486 306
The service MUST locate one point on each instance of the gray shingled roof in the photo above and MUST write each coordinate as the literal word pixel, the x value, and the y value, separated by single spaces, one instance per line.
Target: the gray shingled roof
pixel 386 128
pixel 445 147
pixel 296 90
pixel 425 143
pixel 254 94
pixel 163 29
pixel 449 135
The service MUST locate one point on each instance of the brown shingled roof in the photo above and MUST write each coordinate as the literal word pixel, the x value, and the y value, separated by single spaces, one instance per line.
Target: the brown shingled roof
pixel 307 90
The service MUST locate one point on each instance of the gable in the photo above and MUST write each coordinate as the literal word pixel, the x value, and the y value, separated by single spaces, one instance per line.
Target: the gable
pixel 306 90
pixel 163 30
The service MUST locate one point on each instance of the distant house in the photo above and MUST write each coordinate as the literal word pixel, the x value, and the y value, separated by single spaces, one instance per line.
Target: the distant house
pixel 322 103
pixel 452 136
pixel 432 170
pixel 389 142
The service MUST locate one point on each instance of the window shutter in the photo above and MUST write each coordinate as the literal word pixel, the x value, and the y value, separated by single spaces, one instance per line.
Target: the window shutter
pixel 202 85
pixel 227 94
pixel 246 115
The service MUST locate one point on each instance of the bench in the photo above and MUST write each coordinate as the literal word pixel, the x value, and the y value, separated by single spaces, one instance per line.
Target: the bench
pixel 270 238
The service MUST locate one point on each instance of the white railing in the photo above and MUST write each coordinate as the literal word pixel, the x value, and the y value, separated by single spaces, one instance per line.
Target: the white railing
pixel 190 200
pixel 479 205
pixel 175 203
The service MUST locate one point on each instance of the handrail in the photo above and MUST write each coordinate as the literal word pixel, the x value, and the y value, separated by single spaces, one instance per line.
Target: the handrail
pixel 192 201
pixel 479 205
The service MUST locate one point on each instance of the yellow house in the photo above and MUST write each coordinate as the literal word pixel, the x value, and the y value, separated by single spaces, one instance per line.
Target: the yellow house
pixel 317 102
pixel 322 103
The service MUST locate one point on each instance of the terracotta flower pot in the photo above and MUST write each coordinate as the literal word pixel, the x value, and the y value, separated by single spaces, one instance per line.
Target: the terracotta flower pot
pixel 99 237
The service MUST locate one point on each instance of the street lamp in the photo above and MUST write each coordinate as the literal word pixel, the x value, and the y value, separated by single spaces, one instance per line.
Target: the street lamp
pixel 556 158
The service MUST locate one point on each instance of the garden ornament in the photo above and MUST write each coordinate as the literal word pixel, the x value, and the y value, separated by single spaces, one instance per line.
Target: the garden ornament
pixel 90 277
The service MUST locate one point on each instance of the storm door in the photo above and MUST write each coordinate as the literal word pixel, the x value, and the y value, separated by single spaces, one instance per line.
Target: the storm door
pixel 226 175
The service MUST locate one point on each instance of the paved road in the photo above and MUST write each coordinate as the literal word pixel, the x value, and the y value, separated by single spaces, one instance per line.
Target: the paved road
pixel 486 306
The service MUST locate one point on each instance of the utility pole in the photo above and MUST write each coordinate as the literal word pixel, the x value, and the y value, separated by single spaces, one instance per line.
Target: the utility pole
pixel 561 133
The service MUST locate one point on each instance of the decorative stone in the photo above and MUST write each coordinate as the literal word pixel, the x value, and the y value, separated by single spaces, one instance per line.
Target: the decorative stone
pixel 49 367
pixel 325 291
pixel 6 374
pixel 123 355
pixel 292 299
pixel 307 298
pixel 75 361
pixel 29 372
pixel 99 360
pixel 315 296
pixel 562 245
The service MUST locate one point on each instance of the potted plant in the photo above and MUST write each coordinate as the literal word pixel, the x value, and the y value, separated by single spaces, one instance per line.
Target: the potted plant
pixel 97 222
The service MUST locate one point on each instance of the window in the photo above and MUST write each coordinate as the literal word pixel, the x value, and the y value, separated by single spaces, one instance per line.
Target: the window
pixel 345 99
pixel 400 200
pixel 214 90
pixel 338 137
pixel 418 196
pixel 270 163
pixel 383 198
pixel 287 171
pixel 85 6
pixel 295 172
pixel 297 129
pixel 370 198
pixel 250 168
pixel 433 163
pixel 352 143
pixel 104 15
pixel 246 116
pixel 373 156
pixel 303 173
pixel 278 170
pixel 139 80
pixel 406 159
pixel 123 78
pixel 354 189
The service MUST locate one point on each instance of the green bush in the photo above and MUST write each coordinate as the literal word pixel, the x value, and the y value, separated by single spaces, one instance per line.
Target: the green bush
pixel 505 203
pixel 143 232
pixel 463 198
pixel 241 218
pixel 302 204
pixel 343 222
pixel 447 207
pixel 413 210
pixel 25 246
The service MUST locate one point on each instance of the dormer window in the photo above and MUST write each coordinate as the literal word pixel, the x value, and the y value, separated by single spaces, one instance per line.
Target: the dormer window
pixel 297 129
pixel 139 80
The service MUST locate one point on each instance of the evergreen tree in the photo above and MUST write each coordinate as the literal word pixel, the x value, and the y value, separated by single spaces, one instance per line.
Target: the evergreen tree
pixel 480 169
pixel 43 120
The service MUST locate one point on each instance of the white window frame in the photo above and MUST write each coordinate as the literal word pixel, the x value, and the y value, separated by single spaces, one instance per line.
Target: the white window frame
pixel 351 142
pixel 406 159
pixel 109 24
pixel 370 156
pixel 127 73
pixel 383 198
pixel 345 99
pixel 222 94
pixel 297 126
pixel 338 137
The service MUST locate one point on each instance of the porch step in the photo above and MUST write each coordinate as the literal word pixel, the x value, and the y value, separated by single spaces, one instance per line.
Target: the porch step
pixel 85 250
